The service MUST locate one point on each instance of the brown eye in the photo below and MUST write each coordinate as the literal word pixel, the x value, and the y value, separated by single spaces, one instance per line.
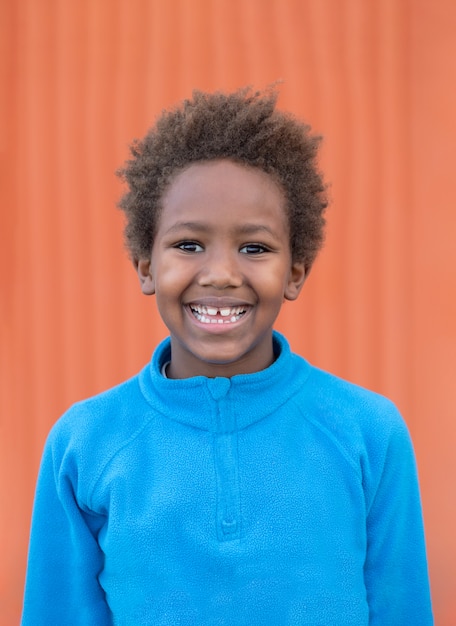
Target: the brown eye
pixel 254 248
pixel 189 246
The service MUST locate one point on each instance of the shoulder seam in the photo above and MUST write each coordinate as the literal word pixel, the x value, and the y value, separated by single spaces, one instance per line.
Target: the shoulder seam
pixel 104 466
pixel 329 435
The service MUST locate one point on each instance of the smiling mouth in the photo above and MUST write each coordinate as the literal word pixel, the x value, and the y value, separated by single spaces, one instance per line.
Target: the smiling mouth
pixel 214 315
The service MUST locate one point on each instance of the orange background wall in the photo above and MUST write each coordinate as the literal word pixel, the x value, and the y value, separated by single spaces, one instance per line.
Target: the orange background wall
pixel 80 80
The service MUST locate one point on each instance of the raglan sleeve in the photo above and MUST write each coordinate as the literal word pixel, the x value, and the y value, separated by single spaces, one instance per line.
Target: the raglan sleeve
pixel 396 573
pixel 64 556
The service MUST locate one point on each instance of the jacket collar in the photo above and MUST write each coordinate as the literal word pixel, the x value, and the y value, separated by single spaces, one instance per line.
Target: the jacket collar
pixel 223 404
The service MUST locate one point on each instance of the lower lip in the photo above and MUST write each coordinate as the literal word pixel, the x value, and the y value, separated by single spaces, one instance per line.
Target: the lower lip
pixel 216 327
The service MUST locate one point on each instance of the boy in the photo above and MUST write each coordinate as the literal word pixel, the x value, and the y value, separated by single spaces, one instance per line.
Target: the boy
pixel 230 482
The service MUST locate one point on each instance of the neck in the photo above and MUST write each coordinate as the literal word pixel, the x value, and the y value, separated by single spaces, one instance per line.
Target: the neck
pixel 185 365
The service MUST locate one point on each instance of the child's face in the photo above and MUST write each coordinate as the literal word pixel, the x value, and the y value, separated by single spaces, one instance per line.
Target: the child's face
pixel 220 268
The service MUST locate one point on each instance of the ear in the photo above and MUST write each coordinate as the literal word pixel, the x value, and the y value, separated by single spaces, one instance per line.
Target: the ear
pixel 296 280
pixel 143 268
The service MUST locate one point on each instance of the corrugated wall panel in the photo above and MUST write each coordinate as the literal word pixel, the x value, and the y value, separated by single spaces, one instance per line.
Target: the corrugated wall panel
pixel 80 80
pixel 433 311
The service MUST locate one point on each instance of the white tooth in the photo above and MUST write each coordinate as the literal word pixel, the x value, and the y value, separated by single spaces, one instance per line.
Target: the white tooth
pixel 225 312
pixel 204 310
pixel 214 321
pixel 211 311
pixel 220 321
pixel 234 318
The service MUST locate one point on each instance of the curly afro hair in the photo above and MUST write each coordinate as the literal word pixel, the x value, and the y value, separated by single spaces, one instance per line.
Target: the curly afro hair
pixel 244 127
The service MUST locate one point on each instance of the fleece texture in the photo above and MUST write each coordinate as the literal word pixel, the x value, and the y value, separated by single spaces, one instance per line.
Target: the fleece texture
pixel 281 498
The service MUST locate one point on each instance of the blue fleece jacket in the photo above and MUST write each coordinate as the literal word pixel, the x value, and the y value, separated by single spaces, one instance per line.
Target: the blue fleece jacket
pixel 285 497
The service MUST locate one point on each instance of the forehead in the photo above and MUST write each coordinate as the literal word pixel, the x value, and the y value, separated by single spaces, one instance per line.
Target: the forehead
pixel 210 189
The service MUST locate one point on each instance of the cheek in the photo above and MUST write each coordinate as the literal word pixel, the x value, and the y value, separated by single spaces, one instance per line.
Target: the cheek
pixel 274 282
pixel 168 277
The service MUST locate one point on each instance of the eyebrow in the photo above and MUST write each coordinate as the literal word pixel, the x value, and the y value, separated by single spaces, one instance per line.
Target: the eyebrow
pixel 242 229
pixel 196 226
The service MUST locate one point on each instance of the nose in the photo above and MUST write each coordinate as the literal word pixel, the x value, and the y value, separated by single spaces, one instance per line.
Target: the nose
pixel 221 270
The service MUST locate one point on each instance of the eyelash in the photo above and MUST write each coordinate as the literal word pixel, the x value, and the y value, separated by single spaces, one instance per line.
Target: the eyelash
pixel 255 248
